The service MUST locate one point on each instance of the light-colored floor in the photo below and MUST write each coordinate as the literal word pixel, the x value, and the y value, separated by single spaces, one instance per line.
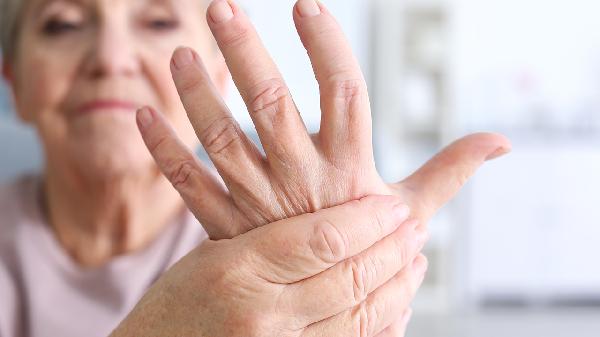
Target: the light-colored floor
pixel 509 323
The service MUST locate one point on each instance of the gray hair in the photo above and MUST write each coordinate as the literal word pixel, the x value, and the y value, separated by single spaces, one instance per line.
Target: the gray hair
pixel 10 11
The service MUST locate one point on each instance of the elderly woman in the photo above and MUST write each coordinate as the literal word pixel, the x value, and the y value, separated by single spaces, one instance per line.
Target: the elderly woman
pixel 304 240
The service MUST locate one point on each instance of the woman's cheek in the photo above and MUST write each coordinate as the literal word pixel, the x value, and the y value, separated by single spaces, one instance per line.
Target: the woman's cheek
pixel 35 92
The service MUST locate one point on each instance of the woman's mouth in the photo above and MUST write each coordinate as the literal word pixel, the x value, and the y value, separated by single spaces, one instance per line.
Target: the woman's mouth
pixel 103 106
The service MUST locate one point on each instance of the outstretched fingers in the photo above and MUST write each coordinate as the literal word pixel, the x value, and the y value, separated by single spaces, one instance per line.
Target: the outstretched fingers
pixel 261 85
pixel 234 155
pixel 199 188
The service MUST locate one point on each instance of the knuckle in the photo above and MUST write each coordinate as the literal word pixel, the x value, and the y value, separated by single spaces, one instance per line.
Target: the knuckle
pixel 359 279
pixel 220 136
pixel 327 243
pixel 348 92
pixel 377 219
pixel 364 271
pixel 365 319
pixel 180 172
pixel 346 86
pixel 270 97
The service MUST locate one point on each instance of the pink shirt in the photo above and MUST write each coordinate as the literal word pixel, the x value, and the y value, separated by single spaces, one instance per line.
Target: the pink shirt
pixel 43 293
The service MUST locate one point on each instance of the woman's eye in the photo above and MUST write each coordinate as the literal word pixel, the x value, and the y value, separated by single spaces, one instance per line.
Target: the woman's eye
pixel 162 25
pixel 57 27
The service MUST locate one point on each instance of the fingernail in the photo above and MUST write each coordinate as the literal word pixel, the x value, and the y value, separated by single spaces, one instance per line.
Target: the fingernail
pixel 401 212
pixel 498 153
pixel 145 117
pixel 308 8
pixel 220 11
pixel 182 57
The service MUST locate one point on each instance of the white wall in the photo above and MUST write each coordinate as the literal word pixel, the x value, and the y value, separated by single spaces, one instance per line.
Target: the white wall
pixel 531 69
pixel 521 63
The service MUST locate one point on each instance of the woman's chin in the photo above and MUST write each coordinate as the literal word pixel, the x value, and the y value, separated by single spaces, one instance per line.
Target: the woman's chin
pixel 114 157
pixel 106 145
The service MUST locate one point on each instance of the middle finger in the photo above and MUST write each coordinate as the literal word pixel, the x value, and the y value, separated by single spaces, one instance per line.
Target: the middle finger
pixel 260 84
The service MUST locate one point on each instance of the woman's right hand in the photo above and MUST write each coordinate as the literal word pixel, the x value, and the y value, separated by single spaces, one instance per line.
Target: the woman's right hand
pixel 351 270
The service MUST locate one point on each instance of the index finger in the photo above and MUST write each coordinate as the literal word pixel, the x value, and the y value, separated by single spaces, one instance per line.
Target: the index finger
pixel 309 244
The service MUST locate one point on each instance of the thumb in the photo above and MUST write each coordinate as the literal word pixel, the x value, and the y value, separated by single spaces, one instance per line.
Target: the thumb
pixel 442 177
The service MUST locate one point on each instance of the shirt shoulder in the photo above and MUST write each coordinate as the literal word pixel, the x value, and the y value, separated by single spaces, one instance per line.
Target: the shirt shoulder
pixel 13 213
pixel 18 204
pixel 10 308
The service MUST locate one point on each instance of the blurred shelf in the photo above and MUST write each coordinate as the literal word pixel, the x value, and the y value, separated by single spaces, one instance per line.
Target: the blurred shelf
pixel 411 114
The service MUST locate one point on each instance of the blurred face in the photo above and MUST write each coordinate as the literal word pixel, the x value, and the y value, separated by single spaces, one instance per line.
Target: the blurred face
pixel 83 67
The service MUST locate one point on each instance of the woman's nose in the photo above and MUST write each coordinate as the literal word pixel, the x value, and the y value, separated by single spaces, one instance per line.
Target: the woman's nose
pixel 112 53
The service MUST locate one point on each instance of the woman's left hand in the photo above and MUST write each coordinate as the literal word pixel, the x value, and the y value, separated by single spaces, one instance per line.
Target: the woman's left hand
pixel 300 173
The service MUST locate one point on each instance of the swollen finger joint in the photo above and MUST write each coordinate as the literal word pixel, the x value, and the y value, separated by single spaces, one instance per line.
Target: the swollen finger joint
pixel 328 244
pixel 270 97
pixel 180 174
pixel 220 136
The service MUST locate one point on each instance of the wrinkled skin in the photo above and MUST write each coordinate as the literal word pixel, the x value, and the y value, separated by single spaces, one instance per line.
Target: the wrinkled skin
pixel 214 290
pixel 300 173
pixel 351 270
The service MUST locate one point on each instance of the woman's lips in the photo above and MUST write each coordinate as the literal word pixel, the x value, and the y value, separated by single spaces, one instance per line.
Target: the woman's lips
pixel 107 106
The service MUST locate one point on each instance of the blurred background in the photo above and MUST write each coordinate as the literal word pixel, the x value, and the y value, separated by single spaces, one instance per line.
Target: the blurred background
pixel 516 254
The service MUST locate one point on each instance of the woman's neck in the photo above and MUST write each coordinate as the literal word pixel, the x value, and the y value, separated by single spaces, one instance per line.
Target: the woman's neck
pixel 96 220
